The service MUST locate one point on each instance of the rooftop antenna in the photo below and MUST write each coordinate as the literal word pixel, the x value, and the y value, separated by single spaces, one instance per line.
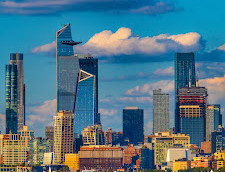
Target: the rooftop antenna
pixel 197 85
pixel 189 77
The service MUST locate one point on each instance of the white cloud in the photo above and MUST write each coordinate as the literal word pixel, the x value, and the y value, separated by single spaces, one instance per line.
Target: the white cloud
pixel 42 113
pixel 164 72
pixel 107 112
pixel 47 48
pixel 215 87
pixel 222 47
pixel 167 86
pixel 122 42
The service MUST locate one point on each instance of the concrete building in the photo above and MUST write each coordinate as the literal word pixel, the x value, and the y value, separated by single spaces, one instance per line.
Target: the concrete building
pixel 163 140
pixel 181 165
pixel 161 111
pixel 93 135
pixel 49 134
pixel 27 136
pixel 63 135
pixel 100 158
pixel 72 161
pixel 14 150
pixel 133 125
pixel 48 158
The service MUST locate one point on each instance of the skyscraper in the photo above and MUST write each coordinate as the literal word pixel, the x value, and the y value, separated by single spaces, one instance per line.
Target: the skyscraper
pixel 133 124
pixel 212 119
pixel 63 135
pixel 15 94
pixel 67 70
pixel 86 106
pixel 184 71
pixel 192 113
pixel 161 111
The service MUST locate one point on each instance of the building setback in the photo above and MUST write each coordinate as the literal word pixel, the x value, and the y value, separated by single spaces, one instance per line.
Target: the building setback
pixel 184 66
pixel 161 111
pixel 67 66
pixel 63 135
pixel 133 124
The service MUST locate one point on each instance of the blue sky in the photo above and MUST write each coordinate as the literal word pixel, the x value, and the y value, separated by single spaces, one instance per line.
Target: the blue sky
pixel 134 55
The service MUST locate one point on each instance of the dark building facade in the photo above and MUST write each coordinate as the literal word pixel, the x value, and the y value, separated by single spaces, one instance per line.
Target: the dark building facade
pixel 133 124
pixel 86 107
pixel 49 134
pixel 218 140
pixel 192 113
pixel 184 71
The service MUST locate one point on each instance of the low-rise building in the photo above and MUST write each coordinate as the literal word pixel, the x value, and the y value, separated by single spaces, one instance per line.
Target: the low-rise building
pixel 200 162
pixel 100 157
pixel 206 147
pixel 72 161
pixel 181 165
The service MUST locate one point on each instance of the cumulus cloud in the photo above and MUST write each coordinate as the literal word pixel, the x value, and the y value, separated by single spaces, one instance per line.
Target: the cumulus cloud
pixel 122 42
pixel 165 72
pixel 167 86
pixel 215 87
pixel 44 7
pixel 41 115
pixel 107 112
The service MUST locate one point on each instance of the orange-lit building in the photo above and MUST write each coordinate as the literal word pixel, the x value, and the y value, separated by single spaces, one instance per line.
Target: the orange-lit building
pixel 128 154
pixel 206 147
pixel 200 162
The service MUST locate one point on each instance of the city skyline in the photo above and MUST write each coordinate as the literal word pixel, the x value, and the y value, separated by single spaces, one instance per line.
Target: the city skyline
pixel 135 72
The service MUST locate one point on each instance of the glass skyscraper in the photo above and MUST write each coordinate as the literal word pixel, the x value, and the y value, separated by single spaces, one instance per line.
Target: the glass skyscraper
pixel 161 111
pixel 133 124
pixel 86 109
pixel 184 71
pixel 67 70
pixel 15 94
pixel 192 103
pixel 212 119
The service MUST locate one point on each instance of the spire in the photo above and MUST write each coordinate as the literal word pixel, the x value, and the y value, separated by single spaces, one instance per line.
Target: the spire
pixel 189 77
pixel 197 85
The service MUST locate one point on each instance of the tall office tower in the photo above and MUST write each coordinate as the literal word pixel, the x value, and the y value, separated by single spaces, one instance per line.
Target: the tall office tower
pixel 63 135
pixel 14 149
pixel 15 94
pixel 133 124
pixel 192 113
pixel 212 119
pixel 184 66
pixel 49 134
pixel 67 66
pixel 86 107
pixel 161 111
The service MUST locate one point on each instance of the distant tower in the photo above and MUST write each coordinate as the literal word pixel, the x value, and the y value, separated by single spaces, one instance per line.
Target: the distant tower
pixel 133 124
pixel 63 135
pixel 67 66
pixel 184 65
pixel 15 94
pixel 161 111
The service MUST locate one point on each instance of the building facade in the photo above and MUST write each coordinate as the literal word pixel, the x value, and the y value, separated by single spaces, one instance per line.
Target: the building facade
pixel 100 158
pixel 49 134
pixel 14 150
pixel 67 66
pixel 184 71
pixel 133 124
pixel 86 108
pixel 212 119
pixel 192 103
pixel 161 111
pixel 63 135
